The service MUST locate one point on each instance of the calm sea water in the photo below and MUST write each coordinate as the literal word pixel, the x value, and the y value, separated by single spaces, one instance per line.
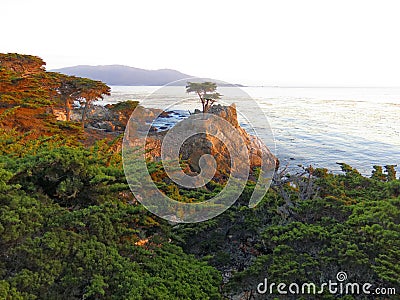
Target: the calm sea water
pixel 310 126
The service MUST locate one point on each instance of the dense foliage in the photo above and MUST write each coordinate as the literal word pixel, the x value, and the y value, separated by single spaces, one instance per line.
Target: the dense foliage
pixel 352 225
pixel 71 229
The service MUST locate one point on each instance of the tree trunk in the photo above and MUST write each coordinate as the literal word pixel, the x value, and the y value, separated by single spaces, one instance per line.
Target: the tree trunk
pixel 84 114
pixel 68 108
pixel 202 102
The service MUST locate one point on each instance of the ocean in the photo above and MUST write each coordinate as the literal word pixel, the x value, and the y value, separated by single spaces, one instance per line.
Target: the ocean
pixel 301 125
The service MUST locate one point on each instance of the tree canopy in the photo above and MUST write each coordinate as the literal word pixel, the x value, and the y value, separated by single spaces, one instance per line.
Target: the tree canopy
pixel 83 90
pixel 24 81
pixel 206 92
pixel 22 64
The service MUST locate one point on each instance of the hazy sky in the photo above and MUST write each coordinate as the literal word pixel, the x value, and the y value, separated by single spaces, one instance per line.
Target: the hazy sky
pixel 299 42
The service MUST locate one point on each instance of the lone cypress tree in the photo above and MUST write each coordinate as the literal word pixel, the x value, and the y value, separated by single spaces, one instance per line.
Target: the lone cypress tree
pixel 206 92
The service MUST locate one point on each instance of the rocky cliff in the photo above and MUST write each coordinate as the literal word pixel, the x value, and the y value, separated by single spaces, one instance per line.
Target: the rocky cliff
pixel 110 118
pixel 219 135
pixel 216 134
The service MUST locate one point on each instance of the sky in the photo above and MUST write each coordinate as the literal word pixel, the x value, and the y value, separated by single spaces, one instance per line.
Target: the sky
pixel 280 42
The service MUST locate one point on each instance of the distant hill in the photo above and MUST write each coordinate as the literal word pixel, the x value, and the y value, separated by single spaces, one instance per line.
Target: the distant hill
pixel 124 75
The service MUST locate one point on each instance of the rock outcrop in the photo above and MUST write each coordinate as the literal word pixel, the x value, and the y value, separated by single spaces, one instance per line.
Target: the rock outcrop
pixel 216 133
pixel 219 135
pixel 110 118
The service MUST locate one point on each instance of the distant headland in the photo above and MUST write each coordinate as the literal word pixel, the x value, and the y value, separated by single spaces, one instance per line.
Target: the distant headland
pixel 125 75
